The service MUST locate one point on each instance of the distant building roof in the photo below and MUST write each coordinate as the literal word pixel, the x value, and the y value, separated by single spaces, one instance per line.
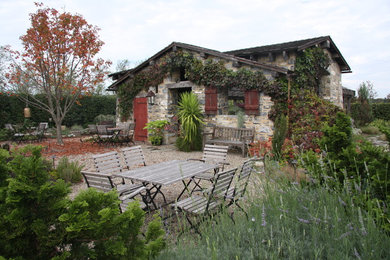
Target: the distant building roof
pixel 325 41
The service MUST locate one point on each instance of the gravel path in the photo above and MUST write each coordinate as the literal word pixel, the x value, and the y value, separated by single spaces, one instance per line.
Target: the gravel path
pixel 154 154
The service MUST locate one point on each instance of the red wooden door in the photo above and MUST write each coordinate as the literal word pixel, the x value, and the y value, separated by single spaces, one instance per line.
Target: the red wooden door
pixel 140 109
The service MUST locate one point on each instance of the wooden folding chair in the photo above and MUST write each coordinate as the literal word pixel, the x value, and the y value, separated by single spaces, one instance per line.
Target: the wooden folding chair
pixel 109 163
pixel 209 204
pixel 126 136
pixel 103 135
pixel 103 182
pixel 133 156
pixel 39 133
pixel 236 193
pixel 214 154
pixel 17 137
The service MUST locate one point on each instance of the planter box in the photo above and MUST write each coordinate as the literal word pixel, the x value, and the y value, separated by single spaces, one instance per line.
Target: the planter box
pixel 169 138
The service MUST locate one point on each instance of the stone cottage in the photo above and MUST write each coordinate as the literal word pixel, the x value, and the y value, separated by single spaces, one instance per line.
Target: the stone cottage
pixel 284 55
pixel 272 60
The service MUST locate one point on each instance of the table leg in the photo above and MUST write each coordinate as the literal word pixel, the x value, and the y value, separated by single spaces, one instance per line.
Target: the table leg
pixel 185 188
pixel 152 194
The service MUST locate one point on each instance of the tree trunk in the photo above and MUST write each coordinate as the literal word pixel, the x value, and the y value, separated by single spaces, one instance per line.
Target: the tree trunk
pixel 59 132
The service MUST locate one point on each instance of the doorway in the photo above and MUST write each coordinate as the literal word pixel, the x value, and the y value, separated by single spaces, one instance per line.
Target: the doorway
pixel 140 111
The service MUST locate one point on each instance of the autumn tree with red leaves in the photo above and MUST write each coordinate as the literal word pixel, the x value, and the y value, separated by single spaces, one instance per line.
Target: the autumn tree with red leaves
pixel 58 61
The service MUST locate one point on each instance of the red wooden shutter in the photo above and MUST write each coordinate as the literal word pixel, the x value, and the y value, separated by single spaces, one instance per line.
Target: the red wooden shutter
pixel 252 102
pixel 211 100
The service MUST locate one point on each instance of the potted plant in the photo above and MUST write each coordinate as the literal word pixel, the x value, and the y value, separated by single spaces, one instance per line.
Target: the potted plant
pixel 155 129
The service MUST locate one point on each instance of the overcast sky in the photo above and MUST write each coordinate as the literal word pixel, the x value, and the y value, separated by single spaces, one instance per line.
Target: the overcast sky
pixel 137 29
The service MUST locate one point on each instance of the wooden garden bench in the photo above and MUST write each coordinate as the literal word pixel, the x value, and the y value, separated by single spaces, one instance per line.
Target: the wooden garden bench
pixel 231 136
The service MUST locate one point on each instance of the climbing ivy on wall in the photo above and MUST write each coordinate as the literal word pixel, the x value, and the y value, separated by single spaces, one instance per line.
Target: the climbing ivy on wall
pixel 210 73
pixel 152 76
pixel 310 66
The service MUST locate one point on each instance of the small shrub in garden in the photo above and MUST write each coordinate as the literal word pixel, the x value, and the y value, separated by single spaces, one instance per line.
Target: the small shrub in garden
pixel 307 117
pixel 370 130
pixel 280 134
pixel 96 229
pixel 260 148
pixel 104 118
pixel 38 221
pixel 384 127
pixel 69 171
pixel 30 207
pixel 155 130
pixel 5 134
pixel 361 164
pixel 338 136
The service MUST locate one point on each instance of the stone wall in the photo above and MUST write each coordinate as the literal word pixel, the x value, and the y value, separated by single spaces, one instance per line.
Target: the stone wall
pixel 331 88
pixel 166 95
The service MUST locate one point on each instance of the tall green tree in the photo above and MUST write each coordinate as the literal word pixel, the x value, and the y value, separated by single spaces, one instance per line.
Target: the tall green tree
pixel 366 94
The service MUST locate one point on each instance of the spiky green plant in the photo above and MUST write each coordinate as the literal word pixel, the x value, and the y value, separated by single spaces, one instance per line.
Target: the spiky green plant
pixel 191 119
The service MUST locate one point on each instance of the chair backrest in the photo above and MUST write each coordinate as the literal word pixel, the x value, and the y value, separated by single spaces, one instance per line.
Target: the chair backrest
pixel 92 129
pixel 221 185
pixel 215 153
pixel 107 163
pixel 42 127
pixel 243 179
pixel 9 127
pixel 101 129
pixel 133 156
pixel 99 181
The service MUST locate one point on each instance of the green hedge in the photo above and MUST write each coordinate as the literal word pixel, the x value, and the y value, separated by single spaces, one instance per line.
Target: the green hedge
pixel 379 111
pixel 11 110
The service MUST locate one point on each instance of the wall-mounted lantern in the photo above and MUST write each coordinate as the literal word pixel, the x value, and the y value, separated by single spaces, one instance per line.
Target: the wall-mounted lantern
pixel 151 96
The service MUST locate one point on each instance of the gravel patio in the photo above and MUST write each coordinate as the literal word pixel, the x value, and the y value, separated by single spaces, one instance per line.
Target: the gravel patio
pixel 153 154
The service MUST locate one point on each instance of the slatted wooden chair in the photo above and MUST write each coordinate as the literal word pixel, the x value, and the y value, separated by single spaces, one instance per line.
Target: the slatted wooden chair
pixel 126 136
pixel 209 204
pixel 92 129
pixel 236 193
pixel 39 133
pixel 110 163
pixel 105 183
pixel 103 136
pixel 17 137
pixel 133 156
pixel 214 154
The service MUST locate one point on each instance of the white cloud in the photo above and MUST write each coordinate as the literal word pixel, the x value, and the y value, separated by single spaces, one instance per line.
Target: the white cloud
pixel 137 29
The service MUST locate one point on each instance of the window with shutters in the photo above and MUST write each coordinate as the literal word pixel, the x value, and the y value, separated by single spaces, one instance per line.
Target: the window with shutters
pixel 251 102
pixel 211 100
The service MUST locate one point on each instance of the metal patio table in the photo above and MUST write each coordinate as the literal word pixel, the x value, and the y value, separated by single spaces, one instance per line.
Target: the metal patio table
pixel 166 173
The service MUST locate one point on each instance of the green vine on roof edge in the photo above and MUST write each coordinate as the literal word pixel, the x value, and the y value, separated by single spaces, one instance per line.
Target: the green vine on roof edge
pixel 310 65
